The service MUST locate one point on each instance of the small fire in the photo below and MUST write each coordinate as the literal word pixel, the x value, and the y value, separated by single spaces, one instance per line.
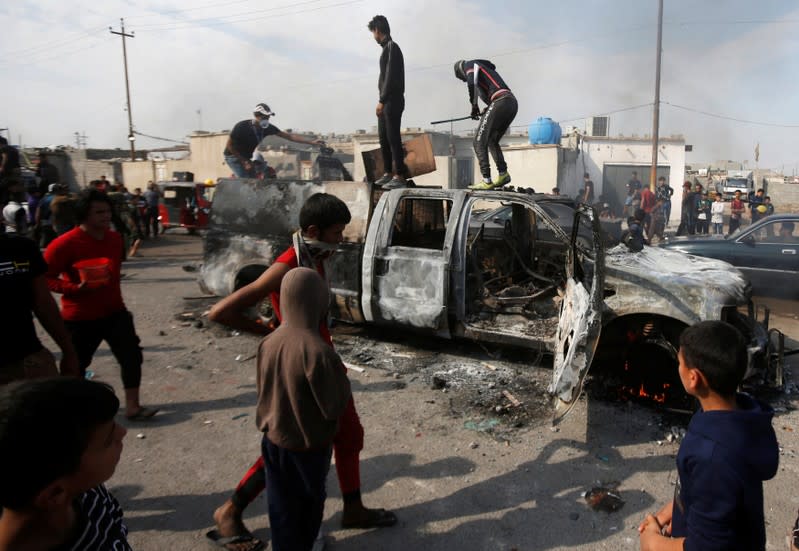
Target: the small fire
pixel 659 396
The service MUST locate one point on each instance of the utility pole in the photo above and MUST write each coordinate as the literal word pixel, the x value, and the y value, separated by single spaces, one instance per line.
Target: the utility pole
pixel 131 136
pixel 199 119
pixel 656 111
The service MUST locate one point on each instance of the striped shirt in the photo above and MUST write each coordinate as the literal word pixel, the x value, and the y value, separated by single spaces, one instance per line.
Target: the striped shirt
pixel 100 526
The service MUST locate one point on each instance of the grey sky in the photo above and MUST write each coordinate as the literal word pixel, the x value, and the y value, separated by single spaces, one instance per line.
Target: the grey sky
pixel 315 63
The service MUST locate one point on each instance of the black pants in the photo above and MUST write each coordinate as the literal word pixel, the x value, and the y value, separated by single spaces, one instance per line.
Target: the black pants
pixel 494 123
pixel 388 129
pixel 120 334
pixel 151 220
pixel 295 489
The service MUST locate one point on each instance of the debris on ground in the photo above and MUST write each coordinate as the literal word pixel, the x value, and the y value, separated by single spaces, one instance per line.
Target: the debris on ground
pixel 484 425
pixel 601 498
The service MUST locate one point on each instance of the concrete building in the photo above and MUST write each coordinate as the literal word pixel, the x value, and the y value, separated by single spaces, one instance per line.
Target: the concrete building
pixel 609 162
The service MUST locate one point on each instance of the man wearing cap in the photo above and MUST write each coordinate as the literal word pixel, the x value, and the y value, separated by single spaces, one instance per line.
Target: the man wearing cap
pixel 484 83
pixel 247 135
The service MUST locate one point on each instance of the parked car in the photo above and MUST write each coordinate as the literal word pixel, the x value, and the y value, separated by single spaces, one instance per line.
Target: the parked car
pixel 413 258
pixel 767 252
pixel 184 205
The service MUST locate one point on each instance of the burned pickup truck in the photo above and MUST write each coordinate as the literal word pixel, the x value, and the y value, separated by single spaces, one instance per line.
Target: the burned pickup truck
pixel 413 258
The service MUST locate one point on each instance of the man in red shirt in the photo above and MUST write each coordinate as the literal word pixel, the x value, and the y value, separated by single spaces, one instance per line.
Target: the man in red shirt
pixel 93 311
pixel 647 205
pixel 323 218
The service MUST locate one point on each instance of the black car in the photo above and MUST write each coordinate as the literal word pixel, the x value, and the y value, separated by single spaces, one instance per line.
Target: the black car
pixel 560 210
pixel 767 252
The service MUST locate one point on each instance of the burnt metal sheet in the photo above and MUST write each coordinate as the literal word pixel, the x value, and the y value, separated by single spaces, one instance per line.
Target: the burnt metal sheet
pixel 670 283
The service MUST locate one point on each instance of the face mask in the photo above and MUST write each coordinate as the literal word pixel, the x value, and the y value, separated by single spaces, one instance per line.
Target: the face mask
pixel 263 123
pixel 319 249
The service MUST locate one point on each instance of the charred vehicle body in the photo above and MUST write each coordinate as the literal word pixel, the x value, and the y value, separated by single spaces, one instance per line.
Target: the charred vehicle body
pixel 414 258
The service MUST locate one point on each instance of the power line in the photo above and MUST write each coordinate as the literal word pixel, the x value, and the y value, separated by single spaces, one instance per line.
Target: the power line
pixel 240 17
pixel 58 43
pixel 157 138
pixel 30 60
pixel 216 5
pixel 734 119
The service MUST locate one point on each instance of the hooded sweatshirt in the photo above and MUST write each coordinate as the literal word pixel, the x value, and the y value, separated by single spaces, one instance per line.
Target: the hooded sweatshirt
pixel 722 463
pixel 302 389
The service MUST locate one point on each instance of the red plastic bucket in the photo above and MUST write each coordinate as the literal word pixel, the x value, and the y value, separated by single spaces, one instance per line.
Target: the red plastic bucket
pixel 94 272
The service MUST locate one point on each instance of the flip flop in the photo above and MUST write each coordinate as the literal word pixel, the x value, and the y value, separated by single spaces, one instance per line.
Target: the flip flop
pixel 251 542
pixel 142 415
pixel 377 518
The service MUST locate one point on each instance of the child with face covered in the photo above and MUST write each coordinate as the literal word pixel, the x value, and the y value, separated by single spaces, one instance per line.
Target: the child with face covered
pixel 302 391
pixel 323 218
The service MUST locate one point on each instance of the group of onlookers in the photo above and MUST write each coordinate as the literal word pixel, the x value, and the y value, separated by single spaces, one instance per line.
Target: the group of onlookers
pixel 703 212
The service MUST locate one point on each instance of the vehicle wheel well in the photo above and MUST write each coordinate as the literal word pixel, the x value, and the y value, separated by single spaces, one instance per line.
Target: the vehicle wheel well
pixel 247 275
pixel 623 332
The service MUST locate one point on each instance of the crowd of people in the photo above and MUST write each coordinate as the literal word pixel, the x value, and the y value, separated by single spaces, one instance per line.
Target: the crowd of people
pixel 305 408
pixel 52 492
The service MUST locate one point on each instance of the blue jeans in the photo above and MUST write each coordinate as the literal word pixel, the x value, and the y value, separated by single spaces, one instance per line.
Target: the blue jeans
pixel 718 228
pixel 238 169
pixel 295 490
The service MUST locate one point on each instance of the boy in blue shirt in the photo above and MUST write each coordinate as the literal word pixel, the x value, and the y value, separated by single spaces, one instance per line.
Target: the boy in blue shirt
pixel 729 450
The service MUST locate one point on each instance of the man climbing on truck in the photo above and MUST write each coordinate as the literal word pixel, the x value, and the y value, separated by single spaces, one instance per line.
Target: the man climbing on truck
pixel 485 83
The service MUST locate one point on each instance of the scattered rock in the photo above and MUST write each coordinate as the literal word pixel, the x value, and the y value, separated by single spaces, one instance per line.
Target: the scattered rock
pixel 574 516
pixel 140 436
pixel 198 324
pixel 554 429
pixel 438 383
pixel 162 333
pixel 474 445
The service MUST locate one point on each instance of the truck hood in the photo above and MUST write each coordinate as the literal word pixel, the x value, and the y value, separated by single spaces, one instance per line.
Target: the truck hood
pixel 704 281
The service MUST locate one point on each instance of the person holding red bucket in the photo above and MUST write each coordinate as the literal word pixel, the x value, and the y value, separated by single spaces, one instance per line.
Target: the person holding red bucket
pixel 84 267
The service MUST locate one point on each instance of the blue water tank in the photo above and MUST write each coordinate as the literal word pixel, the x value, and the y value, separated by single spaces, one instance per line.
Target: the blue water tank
pixel 544 130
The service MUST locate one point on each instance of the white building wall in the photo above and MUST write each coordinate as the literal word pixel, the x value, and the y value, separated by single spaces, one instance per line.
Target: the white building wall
pixel 531 166
pixel 620 151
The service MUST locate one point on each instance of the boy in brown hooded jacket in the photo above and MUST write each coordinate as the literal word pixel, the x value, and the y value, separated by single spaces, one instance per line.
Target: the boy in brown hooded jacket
pixel 302 391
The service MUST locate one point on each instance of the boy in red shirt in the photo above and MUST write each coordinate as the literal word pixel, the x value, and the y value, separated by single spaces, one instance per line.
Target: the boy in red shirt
pixel 94 312
pixel 323 218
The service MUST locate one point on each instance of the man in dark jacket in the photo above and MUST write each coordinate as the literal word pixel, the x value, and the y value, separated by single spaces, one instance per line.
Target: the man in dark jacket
pixel 485 83
pixel 390 106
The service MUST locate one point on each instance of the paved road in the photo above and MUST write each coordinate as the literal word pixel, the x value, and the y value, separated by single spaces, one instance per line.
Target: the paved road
pixel 452 487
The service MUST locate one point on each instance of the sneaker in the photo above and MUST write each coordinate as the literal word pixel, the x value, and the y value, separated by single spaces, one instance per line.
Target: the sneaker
pixel 502 180
pixel 395 183
pixel 383 180
pixel 484 185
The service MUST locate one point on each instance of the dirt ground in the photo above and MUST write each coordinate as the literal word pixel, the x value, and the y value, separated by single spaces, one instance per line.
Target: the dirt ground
pixel 444 449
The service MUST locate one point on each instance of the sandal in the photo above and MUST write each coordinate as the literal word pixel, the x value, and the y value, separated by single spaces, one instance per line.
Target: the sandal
pixel 243 542
pixel 376 518
pixel 142 415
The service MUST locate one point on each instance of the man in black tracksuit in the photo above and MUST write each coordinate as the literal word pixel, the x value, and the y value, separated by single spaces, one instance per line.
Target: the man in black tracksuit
pixel 485 83
pixel 391 85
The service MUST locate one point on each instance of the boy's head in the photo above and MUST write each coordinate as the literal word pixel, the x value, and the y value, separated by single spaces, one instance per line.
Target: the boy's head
pixel 59 439
pixel 93 208
pixel 718 196
pixel 767 199
pixel 323 217
pixel 662 181
pixel 712 358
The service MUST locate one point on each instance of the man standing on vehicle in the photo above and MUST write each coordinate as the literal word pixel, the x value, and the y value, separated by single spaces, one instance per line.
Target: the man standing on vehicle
pixel 485 83
pixel 248 134
pixel 391 85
